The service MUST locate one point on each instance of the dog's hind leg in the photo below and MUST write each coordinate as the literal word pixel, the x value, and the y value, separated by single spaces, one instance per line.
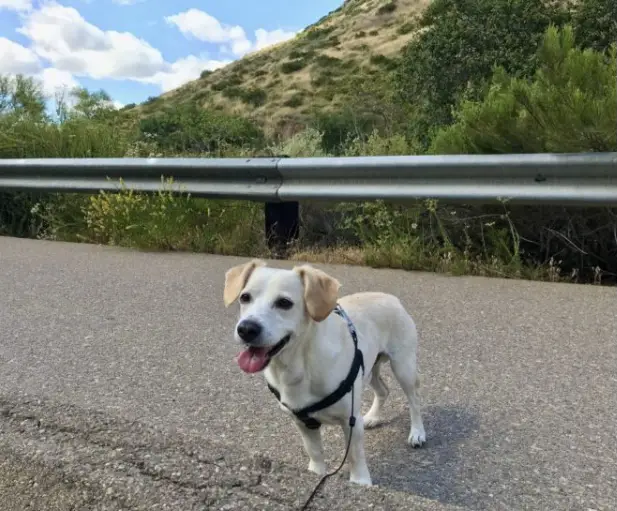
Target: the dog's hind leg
pixel 374 415
pixel 404 369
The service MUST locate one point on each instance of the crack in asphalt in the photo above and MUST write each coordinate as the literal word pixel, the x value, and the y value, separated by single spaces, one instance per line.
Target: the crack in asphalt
pixel 121 452
pixel 108 463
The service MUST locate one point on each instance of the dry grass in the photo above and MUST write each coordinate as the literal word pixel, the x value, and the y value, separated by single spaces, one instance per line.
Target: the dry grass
pixel 337 255
pixel 340 35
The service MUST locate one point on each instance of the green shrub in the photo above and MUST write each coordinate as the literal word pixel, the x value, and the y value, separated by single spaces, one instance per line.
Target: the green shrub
pixel 255 96
pixel 75 138
pixel 463 43
pixel 569 106
pixel 327 61
pixel 379 145
pixel 339 127
pixel 387 8
pixel 307 143
pixel 16 214
pixel 323 77
pixel 295 101
pixel 302 54
pixel 233 92
pixel 425 236
pixel 314 34
pixel 231 81
pixel 595 24
pixel 191 129
pixel 159 221
pixel 291 66
pixel 406 28
pixel 201 95
pixel 383 61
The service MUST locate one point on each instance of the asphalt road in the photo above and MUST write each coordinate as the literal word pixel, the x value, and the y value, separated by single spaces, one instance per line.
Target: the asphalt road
pixel 118 390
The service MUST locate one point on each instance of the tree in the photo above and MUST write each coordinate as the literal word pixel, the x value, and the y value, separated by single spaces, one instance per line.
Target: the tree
pixel 570 105
pixel 461 43
pixel 595 24
pixel 21 97
pixel 96 105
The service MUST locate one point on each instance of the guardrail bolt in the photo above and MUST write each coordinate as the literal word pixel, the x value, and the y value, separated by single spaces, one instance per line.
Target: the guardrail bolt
pixel 282 226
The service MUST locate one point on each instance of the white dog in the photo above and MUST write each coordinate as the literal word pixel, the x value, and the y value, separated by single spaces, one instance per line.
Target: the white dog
pixel 293 327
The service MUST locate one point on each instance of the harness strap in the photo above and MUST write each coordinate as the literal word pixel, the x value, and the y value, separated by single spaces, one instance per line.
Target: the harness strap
pixel 345 386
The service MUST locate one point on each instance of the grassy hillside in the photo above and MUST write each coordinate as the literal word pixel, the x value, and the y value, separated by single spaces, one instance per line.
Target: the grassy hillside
pixel 282 85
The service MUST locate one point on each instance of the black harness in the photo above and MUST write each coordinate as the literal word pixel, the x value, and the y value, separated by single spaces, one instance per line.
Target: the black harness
pixel 345 386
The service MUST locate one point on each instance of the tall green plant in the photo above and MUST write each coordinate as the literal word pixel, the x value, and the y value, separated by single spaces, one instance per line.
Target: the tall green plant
pixel 21 97
pixel 193 129
pixel 595 23
pixel 461 43
pixel 570 105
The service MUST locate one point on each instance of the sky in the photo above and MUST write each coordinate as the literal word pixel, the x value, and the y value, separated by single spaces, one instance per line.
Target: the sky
pixel 134 49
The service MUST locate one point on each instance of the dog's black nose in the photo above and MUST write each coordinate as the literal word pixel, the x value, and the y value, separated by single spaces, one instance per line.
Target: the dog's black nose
pixel 249 330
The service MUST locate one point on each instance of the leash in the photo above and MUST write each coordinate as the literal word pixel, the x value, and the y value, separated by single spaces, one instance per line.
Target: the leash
pixel 347 385
pixel 352 423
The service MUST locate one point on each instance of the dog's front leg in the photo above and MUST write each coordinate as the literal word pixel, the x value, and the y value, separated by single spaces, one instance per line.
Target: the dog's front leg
pixel 359 472
pixel 313 447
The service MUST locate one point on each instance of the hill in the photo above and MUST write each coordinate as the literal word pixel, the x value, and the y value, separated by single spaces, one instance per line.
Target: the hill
pixel 282 85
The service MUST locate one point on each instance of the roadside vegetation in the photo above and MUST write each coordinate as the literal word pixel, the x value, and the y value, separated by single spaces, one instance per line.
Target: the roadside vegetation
pixel 540 79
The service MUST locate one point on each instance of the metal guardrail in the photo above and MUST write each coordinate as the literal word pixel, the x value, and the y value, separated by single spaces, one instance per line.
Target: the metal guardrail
pixel 566 179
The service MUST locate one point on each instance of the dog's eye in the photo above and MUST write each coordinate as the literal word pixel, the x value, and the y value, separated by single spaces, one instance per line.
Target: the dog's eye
pixel 245 298
pixel 283 303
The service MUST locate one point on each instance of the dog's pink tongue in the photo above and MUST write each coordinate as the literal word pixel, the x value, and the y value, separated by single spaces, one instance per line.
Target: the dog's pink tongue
pixel 252 360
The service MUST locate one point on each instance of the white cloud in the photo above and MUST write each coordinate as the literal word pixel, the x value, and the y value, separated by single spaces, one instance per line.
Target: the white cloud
pixel 16 5
pixel 17 59
pixel 184 70
pixel 64 46
pixel 62 36
pixel 203 26
pixel 127 2
pixel 55 80
pixel 265 38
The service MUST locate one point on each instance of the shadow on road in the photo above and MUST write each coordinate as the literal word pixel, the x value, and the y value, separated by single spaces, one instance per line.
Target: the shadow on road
pixel 435 471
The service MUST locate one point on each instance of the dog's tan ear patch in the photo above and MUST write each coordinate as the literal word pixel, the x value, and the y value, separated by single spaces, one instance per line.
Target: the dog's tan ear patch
pixel 236 278
pixel 320 291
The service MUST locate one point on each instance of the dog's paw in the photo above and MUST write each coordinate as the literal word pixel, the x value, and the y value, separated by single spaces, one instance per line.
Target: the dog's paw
pixel 317 468
pixel 417 437
pixel 362 481
pixel 371 421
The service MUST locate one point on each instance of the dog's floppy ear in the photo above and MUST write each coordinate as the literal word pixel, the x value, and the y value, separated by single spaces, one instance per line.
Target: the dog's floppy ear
pixel 320 291
pixel 236 278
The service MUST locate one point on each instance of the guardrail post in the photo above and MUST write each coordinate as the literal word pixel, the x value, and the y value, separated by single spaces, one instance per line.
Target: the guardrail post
pixel 282 226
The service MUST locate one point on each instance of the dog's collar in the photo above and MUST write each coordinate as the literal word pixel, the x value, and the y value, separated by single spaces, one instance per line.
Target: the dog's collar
pixel 345 386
